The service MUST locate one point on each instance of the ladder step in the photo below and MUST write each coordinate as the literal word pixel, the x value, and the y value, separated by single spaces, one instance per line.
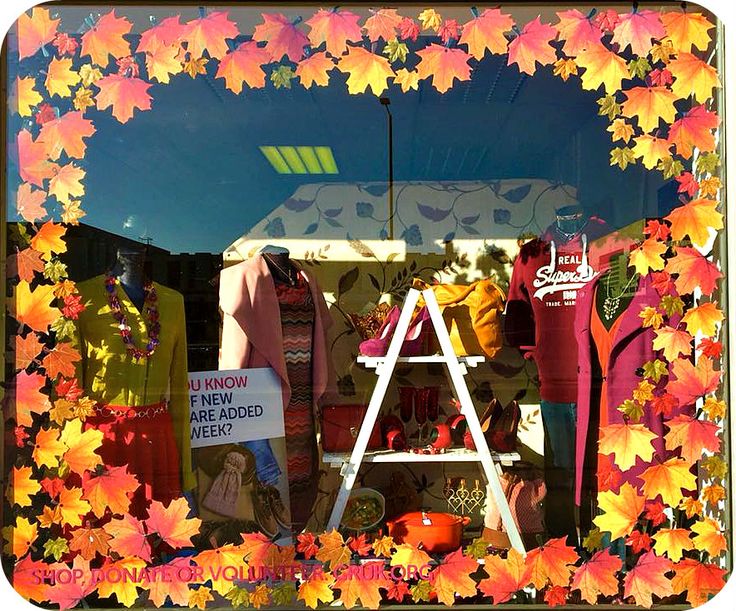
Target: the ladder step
pixel 337 459
pixel 371 362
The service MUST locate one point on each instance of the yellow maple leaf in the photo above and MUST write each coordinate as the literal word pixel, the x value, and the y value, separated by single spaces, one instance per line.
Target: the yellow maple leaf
pixel 66 183
pixel 213 561
pixel 20 537
pixel 81 445
pixel 703 319
pixel 200 597
pixel 627 442
pixel 48 448
pixel 83 99
pixel 691 507
pixel 61 411
pixel 651 317
pixel 693 76
pixel 709 537
pixel 673 342
pixel 366 70
pixel 649 105
pixel 60 78
pixel 602 67
pixel 714 409
pixel 662 51
pixel 408 79
pixel 72 506
pixel 620 130
pixel 709 186
pixel 382 546
pixel 22 486
pixel 564 68
pixel 314 70
pixel 124 589
pixel 317 587
pixel 89 74
pixel 648 256
pixel 193 66
pixel 163 63
pixel 651 149
pixel 333 549
pixel 407 554
pixel 686 30
pixel 25 96
pixel 714 493
pixel 668 479
pixel 431 19
pixel 672 542
pixel 695 218
pixel 621 510
pixel 643 392
pixel 72 212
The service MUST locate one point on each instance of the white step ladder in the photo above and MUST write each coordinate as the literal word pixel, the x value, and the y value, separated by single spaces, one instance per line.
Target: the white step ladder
pixel 456 368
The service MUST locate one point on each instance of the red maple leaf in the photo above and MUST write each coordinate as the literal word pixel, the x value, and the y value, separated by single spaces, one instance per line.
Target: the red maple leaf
pixel 532 45
pixel 648 578
pixel 609 475
pixel 657 230
pixel 659 77
pixel 66 134
pixel 408 29
pixel 163 34
pixel 693 271
pixel 398 591
pixel 662 282
pixel 243 65
pixel 664 404
pixel 21 436
pixel 692 381
pixel 578 31
pixel 694 129
pixel 105 38
pixel 556 596
pixel 687 184
pixel 282 37
pixel 307 545
pixel 360 545
pixel 208 33
pixel 69 389
pixel 639 542
pixel 654 511
pixel 710 348
pixel 701 580
pixel 124 95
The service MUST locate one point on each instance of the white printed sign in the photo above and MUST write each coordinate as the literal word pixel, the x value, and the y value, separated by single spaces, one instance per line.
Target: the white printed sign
pixel 234 405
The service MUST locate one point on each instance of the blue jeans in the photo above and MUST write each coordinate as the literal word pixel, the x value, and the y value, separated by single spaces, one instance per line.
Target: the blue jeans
pixel 559 421
pixel 267 469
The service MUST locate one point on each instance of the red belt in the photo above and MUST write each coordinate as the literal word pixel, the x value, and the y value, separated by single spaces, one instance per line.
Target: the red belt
pixel 132 411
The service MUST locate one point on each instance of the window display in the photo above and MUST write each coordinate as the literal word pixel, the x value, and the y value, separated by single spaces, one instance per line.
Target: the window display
pixel 365 306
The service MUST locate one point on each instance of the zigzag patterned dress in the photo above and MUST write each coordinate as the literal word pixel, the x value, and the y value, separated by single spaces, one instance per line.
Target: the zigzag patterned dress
pixel 297 323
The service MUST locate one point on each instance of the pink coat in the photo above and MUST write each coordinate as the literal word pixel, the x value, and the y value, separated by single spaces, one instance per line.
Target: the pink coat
pixel 251 330
pixel 632 347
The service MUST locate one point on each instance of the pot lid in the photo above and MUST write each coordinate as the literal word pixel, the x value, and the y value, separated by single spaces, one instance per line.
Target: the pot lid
pixel 428 518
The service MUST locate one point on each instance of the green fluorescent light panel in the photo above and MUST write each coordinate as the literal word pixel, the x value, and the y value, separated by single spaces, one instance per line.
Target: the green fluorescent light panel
pixel 300 159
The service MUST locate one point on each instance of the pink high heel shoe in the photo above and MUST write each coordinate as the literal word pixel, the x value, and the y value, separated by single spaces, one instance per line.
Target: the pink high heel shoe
pixel 378 345
pixel 417 333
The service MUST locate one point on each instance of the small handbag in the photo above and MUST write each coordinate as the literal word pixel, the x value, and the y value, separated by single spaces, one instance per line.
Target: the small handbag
pixel 341 425
pixel 472 314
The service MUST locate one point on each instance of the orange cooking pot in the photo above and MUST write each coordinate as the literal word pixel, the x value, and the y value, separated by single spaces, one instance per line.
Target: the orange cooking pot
pixel 436 532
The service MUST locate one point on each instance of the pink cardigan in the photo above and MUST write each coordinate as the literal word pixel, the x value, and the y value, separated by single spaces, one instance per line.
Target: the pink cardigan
pixel 251 330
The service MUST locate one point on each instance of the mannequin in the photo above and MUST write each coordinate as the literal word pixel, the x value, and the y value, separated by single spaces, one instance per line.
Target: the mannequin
pixel 128 268
pixel 570 219
pixel 281 267
pixel 615 290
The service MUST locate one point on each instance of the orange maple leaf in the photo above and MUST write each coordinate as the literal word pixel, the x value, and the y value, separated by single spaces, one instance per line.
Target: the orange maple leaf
pixel 48 448
pixel 673 342
pixel 692 381
pixel 208 33
pixel 25 263
pixel 709 537
pixel 487 32
pixel 700 580
pixel 551 563
pixel 66 183
pixel 66 134
pixel 22 487
pixel 648 256
pixel 125 590
pixel 693 271
pixel 171 522
pixel 532 45
pixel 648 579
pixel 703 319
pixel 72 507
pixel 23 96
pixel 443 65
pixel 314 70
pixel 336 28
pixel 382 23
pixel 89 542
pixel 259 550
pixel 686 30
pixel 578 30
pixel 695 219
pixel 452 577
pixel 602 67
pixel 49 239
pixel 29 202
pixel 649 105
pixel 333 549
pixel 167 33
pixel 33 308
pixel 637 29
pixel 282 37
pixel 243 65
pixel 60 360
pixel 26 350
pixel 694 129
pixel 177 590
pixel 128 537
pixel 81 455
pixel 651 149
pixel 214 560
pixel 627 442
pixel 621 510
pixel 20 537
pixel 105 38
pixel 163 63
pixel 668 479
pixel 27 397
pixel 671 542
pixel 693 76
pixel 366 70
pixel 505 576
pixel 597 576
pixel 110 489
pixel 124 94
pixel 35 31
pixel 33 164
pixel 364 587
pixel 406 554
pixel 317 587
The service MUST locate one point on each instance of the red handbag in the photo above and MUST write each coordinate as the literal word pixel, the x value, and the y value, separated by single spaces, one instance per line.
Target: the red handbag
pixel 341 425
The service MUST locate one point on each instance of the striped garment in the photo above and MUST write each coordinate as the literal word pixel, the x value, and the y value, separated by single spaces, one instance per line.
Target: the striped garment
pixel 297 323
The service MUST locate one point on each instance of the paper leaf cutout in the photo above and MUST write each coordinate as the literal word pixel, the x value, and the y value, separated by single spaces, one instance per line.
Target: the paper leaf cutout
pixel 452 577
pixel 128 537
pixel 686 30
pixel 652 150
pixel 336 28
pixel 443 65
pixel 20 537
pixel 314 70
pixel 505 576
pixel 648 256
pixel 602 67
pixel 668 479
pixel 60 77
pixel 551 563
pixel 124 95
pixel 694 130
pixel 333 549
pixel 177 590
pixel 213 561
pixel 25 263
pixel 48 448
pixel 29 203
pixel 243 65
pixel 171 522
pixel 597 576
pixel 316 588
pixel 694 271
pixel 24 96
pixel 66 134
pixel 637 29
pixel 28 397
pixel 163 63
pixel 383 23
pixel 703 319
pixel 167 33
pixel 627 442
pixel 72 507
pixel 674 342
pixel 110 489
pixel 409 80
pixel 281 36
pixel 648 579
pixel 89 542
pixel 621 510
pixel 693 436
pixel 125 590
pixel 22 486
pixel 709 537
pixel 364 587
pixel 26 350
pixel 366 70
pixel 49 239
pixel 33 308
pixel 487 32
pixel 60 360
pixel 81 455
pixel 35 31
pixel 695 219
pixel 578 31
pixel 33 165
pixel 649 104
pixel 692 381
pixel 105 38
pixel 533 45
pixel 671 542
pixel 693 76
pixel 208 33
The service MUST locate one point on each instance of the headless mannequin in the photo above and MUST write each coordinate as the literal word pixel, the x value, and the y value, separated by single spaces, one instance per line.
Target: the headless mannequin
pixel 129 270
pixel 281 267
pixel 570 220
pixel 616 289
